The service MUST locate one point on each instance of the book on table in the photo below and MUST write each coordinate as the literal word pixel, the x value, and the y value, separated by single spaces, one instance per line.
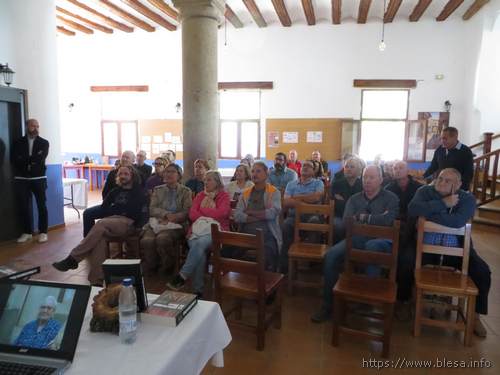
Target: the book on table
pixel 170 308
pixel 15 273
pixel 115 270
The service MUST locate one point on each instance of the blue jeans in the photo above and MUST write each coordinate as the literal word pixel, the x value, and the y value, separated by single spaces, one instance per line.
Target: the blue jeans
pixel 194 267
pixel 334 263
pixel 90 215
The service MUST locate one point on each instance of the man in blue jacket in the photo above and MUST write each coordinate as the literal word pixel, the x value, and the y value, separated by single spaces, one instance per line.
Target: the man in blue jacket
pixel 446 204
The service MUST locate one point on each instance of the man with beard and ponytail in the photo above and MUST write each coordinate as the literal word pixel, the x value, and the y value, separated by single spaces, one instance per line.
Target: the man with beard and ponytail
pixel 122 213
pixel 280 175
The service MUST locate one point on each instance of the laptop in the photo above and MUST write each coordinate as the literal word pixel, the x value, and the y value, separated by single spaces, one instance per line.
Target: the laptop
pixel 40 324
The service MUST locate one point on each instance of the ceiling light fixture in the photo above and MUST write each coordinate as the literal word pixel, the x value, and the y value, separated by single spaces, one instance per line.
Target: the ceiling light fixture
pixel 382 45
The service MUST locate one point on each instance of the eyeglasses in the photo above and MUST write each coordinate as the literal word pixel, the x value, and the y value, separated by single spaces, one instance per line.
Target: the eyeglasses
pixel 159 164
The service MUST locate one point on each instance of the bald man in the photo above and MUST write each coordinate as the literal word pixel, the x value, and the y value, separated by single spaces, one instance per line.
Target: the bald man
pixel 447 204
pixel 28 159
pixel 403 185
pixel 144 169
pixel 373 205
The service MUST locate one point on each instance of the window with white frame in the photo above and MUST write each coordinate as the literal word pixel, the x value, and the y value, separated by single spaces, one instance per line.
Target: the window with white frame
pixel 119 136
pixel 383 117
pixel 239 129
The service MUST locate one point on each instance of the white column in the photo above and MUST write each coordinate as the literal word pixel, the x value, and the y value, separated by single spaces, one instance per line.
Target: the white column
pixel 199 22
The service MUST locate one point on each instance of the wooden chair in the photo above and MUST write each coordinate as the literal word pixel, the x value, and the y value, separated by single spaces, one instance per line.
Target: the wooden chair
pixel 306 251
pixel 444 281
pixel 246 280
pixel 376 291
pixel 124 246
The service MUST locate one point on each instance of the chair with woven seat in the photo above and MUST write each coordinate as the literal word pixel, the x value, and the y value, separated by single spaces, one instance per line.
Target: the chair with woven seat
pixel 353 287
pixel 445 281
pixel 306 251
pixel 245 280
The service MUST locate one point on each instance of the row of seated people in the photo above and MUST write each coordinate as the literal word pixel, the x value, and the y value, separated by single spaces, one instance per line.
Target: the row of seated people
pixel 259 207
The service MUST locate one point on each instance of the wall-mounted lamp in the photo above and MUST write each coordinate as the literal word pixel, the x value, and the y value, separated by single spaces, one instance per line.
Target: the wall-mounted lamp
pixel 178 107
pixel 447 105
pixel 71 106
pixel 7 73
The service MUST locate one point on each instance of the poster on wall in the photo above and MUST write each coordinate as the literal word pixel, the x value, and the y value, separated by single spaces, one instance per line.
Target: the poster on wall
pixel 157 139
pixel 314 137
pixel 435 122
pixel 290 137
pixel 167 137
pixel 273 139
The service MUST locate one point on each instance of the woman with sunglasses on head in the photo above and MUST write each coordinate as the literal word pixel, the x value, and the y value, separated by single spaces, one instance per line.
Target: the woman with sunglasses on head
pixel 168 211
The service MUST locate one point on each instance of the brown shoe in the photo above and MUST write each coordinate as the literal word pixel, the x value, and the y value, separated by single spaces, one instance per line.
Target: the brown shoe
pixel 479 329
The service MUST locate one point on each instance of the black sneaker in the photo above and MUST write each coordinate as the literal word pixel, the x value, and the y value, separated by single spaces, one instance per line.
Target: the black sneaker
pixel 321 316
pixel 68 263
pixel 176 283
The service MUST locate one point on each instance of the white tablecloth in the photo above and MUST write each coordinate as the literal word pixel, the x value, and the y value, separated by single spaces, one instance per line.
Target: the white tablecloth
pixel 80 194
pixel 183 350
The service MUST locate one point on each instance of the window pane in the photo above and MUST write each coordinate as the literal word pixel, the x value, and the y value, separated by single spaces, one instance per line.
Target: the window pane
pixel 384 104
pixel 382 137
pixel 229 139
pixel 236 105
pixel 129 136
pixel 250 138
pixel 110 138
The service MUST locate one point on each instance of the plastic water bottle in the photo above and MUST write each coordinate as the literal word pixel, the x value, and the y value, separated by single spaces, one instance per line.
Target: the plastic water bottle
pixel 127 307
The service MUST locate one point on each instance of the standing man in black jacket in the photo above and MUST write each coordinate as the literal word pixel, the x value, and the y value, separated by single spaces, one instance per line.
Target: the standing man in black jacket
pixel 452 154
pixel 28 158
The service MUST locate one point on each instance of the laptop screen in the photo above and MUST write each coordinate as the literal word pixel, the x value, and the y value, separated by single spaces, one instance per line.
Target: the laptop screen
pixel 39 318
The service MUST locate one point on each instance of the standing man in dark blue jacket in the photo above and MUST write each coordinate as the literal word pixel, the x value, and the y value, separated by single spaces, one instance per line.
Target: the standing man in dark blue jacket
pixel 452 154
pixel 446 204
pixel 28 158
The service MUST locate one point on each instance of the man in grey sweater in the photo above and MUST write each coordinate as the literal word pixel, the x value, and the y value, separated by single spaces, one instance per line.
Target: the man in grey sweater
pixel 373 205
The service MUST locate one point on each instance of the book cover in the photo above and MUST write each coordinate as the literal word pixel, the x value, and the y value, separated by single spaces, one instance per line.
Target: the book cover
pixel 171 307
pixel 14 273
pixel 115 270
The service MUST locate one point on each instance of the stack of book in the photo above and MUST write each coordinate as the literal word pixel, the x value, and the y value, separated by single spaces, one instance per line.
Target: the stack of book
pixel 170 308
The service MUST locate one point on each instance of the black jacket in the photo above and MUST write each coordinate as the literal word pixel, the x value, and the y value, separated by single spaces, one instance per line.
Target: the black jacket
pixel 459 158
pixel 26 165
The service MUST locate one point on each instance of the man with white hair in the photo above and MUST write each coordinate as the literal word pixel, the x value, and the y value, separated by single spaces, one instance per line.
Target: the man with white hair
pixel 41 332
pixel 144 169
pixel 446 203
pixel 373 205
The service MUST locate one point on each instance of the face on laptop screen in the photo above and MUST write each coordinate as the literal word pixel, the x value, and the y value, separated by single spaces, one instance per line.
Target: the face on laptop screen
pixel 35 316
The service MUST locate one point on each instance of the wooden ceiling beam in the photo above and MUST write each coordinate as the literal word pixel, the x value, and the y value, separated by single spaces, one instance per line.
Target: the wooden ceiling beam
pixel 146 12
pixel 126 16
pixel 75 25
pixel 139 88
pixel 474 8
pixel 86 21
pixel 232 17
pixel 107 20
pixel 255 13
pixel 448 9
pixel 165 8
pixel 364 7
pixel 280 8
pixel 391 11
pixel 336 11
pixel 309 12
pixel 65 31
pixel 419 9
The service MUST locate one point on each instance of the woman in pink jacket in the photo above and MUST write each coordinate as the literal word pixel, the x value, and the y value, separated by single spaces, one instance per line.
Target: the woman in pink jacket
pixel 212 203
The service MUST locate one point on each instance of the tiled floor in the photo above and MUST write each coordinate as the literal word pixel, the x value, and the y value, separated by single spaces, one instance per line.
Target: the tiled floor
pixel 301 347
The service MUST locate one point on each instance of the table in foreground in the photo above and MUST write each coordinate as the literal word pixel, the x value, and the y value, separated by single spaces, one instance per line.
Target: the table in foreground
pixel 181 350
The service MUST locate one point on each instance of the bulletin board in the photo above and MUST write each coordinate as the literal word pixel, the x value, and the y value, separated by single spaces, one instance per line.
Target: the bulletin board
pixel 324 135
pixel 158 136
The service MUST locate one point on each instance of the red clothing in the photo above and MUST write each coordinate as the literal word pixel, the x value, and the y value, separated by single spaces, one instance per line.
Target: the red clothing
pixel 220 213
pixel 295 166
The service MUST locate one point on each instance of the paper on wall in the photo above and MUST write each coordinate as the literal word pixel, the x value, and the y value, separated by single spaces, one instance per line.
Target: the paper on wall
pixel 176 139
pixel 157 139
pixel 146 139
pixel 290 137
pixel 156 149
pixel 167 137
pixel 314 137
pixel 146 147
pixel 179 147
